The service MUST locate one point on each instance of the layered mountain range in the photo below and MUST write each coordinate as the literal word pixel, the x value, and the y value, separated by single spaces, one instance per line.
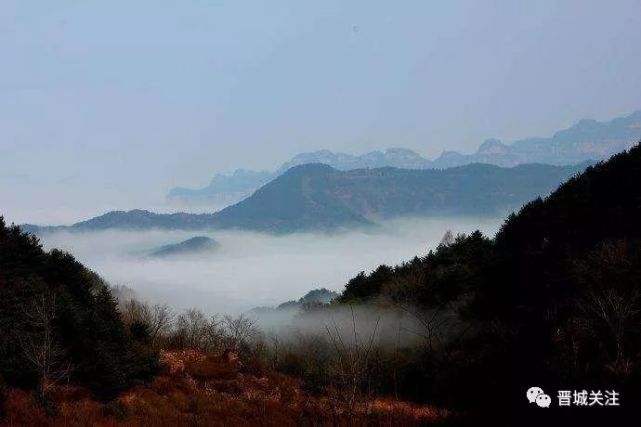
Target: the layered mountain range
pixel 585 140
pixel 318 197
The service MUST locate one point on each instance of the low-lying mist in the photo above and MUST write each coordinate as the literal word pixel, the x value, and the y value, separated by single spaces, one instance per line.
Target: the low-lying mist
pixel 381 324
pixel 252 269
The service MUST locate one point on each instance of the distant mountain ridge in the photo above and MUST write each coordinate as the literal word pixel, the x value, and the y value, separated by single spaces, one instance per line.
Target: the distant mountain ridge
pixel 317 197
pixel 226 189
pixel 223 189
pixel 320 296
pixel 585 140
pixel 136 219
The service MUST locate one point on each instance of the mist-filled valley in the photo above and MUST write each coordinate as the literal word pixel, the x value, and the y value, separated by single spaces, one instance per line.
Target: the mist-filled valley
pixel 249 269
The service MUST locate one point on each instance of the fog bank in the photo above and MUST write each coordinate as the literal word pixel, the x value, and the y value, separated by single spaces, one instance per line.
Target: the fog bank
pixel 253 269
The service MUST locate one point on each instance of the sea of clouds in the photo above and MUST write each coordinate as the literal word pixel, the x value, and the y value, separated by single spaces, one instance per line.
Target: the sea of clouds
pixel 253 269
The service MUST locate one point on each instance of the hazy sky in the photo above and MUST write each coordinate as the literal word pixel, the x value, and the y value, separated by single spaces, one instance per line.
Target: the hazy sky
pixel 108 104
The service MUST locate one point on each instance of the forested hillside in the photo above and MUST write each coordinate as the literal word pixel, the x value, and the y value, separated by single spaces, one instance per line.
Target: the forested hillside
pixel 318 197
pixel 59 323
pixel 554 300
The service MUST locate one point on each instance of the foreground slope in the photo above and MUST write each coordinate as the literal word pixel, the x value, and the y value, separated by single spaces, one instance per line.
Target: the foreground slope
pixel 200 389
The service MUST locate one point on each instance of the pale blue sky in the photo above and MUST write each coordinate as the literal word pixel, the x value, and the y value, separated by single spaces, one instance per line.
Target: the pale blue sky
pixel 107 104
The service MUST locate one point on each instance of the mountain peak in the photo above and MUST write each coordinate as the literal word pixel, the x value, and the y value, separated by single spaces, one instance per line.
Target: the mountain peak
pixel 492 146
pixel 309 168
pixel 586 124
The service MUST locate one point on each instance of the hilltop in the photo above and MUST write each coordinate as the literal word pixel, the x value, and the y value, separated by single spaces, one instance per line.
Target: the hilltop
pixel 318 197
pixel 192 246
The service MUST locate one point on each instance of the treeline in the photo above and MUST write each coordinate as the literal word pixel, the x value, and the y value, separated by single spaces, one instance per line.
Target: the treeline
pixel 160 327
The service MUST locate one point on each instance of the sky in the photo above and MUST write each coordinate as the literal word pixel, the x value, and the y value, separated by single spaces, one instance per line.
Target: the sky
pixel 107 105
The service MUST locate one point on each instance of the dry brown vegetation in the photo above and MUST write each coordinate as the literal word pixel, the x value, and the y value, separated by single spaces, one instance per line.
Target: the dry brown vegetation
pixel 196 388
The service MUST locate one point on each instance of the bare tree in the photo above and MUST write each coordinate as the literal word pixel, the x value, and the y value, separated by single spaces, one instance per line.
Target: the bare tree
pixel 610 314
pixel 191 328
pixel 439 328
pixel 161 318
pixel 275 349
pixel 239 330
pixel 157 318
pixel 430 325
pixel 214 334
pixel 353 359
pixel 608 311
pixel 39 345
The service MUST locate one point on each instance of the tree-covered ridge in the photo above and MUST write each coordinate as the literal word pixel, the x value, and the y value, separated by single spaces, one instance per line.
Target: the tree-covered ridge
pixel 600 204
pixel 315 196
pixel 59 320
pixel 554 299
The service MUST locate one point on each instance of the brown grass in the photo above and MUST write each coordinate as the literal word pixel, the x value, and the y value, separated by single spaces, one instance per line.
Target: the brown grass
pixel 206 390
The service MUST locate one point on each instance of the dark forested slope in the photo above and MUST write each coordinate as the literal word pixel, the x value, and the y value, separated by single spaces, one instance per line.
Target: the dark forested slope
pixel 554 300
pixel 59 322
